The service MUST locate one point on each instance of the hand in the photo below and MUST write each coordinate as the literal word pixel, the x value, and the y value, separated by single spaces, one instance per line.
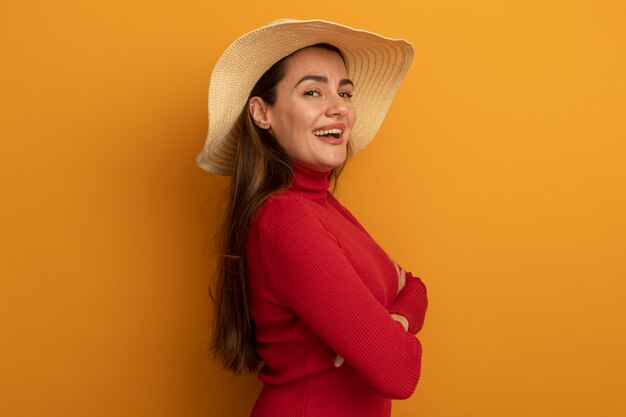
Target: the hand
pixel 397 317
pixel 401 276
pixel 402 320
pixel 338 361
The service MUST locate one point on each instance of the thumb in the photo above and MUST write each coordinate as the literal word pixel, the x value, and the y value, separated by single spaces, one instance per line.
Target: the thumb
pixel 338 361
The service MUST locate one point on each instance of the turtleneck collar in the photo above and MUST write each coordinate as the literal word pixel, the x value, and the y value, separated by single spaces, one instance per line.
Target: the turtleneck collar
pixel 309 183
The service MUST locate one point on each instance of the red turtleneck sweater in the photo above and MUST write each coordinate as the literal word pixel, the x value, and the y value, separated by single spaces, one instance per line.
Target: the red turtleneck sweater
pixel 319 286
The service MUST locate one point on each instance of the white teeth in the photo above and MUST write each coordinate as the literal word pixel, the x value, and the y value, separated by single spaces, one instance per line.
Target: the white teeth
pixel 327 132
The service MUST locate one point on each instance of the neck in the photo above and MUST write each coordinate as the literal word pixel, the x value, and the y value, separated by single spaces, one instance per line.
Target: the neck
pixel 310 183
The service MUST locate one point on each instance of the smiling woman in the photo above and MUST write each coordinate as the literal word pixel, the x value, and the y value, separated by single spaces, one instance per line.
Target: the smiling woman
pixel 313 114
pixel 302 287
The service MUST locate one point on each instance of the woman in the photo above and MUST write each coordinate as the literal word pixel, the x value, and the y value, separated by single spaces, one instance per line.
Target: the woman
pixel 301 286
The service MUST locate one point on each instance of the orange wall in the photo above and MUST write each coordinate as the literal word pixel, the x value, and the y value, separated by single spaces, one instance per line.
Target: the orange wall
pixel 498 177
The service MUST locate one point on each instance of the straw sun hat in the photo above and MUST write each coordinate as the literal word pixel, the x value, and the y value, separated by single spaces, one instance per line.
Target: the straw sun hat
pixel 375 64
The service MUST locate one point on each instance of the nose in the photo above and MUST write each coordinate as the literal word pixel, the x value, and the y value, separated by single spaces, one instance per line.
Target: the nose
pixel 337 106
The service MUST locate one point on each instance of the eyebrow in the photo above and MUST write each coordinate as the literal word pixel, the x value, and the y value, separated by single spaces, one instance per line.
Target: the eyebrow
pixel 323 79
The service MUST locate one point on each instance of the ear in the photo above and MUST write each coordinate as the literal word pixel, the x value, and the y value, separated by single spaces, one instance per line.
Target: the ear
pixel 259 112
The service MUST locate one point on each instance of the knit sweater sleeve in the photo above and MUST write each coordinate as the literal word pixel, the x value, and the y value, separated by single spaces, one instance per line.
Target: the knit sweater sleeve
pixel 311 274
pixel 411 302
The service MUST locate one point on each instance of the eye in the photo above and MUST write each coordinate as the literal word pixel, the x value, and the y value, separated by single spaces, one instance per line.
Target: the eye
pixel 345 94
pixel 312 93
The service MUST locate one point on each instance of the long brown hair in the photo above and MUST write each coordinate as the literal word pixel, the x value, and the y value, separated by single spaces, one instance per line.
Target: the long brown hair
pixel 261 168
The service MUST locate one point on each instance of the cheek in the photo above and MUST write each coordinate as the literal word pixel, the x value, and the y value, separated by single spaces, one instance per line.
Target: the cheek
pixel 350 116
pixel 308 116
pixel 297 119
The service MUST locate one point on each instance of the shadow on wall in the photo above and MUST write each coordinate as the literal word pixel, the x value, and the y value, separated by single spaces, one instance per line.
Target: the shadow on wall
pixel 226 394
pixel 230 395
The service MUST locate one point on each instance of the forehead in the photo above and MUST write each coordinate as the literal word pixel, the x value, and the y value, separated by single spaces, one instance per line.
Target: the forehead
pixel 315 61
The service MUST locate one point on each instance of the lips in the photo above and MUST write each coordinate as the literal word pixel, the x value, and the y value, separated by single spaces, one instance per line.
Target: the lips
pixel 331 131
pixel 336 133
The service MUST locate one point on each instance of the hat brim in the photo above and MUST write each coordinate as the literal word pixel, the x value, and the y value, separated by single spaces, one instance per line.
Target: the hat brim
pixel 375 64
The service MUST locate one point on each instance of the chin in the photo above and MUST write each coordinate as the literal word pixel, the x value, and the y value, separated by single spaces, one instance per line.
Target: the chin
pixel 334 163
pixel 324 161
pixel 323 166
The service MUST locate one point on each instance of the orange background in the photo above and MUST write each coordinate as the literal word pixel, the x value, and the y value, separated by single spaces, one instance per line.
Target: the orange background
pixel 498 176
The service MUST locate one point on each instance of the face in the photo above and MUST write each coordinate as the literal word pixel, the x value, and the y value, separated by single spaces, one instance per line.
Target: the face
pixel 313 115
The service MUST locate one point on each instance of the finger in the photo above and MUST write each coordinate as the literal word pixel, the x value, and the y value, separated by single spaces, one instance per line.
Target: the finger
pixel 401 319
pixel 338 361
pixel 395 264
pixel 401 275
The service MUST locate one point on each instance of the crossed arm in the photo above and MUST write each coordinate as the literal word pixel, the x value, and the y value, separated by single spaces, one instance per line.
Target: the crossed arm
pixel 320 285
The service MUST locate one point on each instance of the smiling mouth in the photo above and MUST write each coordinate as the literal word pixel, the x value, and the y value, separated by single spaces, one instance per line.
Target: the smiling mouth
pixel 335 133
